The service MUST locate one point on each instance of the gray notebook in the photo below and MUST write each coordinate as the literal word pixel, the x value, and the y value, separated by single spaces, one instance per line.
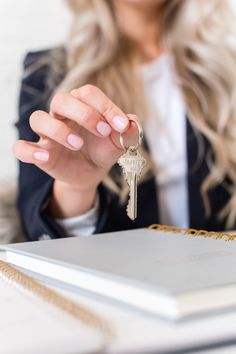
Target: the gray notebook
pixel 165 273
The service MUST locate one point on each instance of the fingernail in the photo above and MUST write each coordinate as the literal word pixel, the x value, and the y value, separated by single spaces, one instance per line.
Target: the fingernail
pixel 41 155
pixel 120 122
pixel 103 128
pixel 75 141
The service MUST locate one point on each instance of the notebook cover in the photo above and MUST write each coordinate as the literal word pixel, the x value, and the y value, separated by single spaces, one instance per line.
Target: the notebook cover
pixel 162 261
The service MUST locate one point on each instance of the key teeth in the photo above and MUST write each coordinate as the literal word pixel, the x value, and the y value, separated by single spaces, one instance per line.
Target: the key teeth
pixel 129 215
pixel 123 171
pixel 132 217
pixel 128 208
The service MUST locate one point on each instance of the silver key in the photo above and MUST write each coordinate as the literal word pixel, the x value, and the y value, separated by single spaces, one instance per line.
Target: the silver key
pixel 132 164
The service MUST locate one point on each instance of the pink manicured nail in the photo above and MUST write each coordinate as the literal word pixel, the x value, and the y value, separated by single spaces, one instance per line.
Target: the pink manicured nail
pixel 103 128
pixel 75 141
pixel 120 122
pixel 41 155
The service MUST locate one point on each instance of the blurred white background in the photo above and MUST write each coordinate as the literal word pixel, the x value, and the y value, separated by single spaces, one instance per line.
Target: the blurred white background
pixel 25 25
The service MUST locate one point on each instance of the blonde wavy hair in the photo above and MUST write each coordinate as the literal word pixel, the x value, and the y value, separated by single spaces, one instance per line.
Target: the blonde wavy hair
pixel 200 35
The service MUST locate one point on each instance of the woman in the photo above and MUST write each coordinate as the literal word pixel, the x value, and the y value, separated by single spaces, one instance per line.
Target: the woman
pixel 172 63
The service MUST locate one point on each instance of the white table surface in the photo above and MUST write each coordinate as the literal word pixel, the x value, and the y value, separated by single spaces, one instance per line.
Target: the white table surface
pixel 127 319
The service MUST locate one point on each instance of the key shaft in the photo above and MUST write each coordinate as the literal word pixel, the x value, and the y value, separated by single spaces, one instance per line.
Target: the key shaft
pixel 132 204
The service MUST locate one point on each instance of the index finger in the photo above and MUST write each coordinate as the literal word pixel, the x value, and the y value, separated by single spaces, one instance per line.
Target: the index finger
pixel 96 98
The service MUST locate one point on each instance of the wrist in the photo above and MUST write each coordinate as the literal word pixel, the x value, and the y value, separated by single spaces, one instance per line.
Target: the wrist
pixel 67 201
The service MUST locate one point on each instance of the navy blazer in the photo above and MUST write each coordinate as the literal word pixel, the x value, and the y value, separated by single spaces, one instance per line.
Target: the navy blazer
pixel 35 185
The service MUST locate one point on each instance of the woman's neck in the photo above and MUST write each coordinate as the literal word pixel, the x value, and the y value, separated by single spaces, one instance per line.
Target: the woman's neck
pixel 140 25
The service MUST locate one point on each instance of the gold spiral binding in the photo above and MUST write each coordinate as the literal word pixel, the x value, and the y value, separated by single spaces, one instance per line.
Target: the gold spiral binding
pixel 28 284
pixel 193 232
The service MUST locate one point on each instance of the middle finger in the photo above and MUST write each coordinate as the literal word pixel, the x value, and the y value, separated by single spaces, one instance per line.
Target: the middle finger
pixel 65 105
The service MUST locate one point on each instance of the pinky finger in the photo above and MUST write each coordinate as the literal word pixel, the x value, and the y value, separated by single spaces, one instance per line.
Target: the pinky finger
pixel 30 152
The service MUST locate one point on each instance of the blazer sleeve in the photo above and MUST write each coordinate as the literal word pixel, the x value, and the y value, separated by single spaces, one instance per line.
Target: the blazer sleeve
pixel 35 185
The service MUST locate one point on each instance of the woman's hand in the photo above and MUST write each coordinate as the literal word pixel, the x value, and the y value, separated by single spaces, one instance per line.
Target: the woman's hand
pixel 79 143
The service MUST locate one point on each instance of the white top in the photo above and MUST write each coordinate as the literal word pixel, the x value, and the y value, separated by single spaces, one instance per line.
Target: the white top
pixel 165 132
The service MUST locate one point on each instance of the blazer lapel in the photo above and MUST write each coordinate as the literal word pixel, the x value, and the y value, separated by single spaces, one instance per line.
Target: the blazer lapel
pixel 148 198
pixel 197 171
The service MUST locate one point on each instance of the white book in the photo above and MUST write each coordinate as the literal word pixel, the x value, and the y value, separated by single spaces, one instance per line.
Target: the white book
pixel 164 273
